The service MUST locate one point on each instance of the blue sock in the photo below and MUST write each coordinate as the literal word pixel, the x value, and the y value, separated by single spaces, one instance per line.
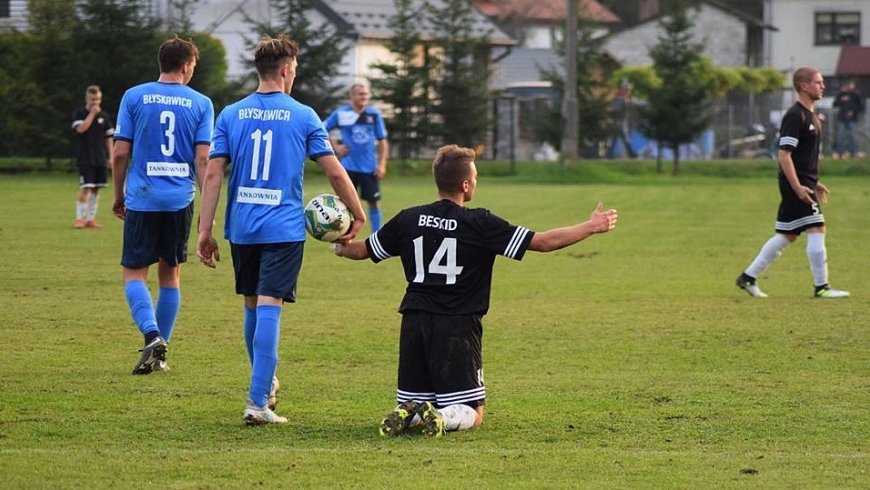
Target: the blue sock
pixel 375 217
pixel 168 303
pixel 265 353
pixel 250 328
pixel 141 306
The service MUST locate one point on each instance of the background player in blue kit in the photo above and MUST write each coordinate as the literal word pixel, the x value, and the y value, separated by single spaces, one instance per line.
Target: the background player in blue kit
pixel 448 252
pixel 363 148
pixel 94 129
pixel 801 193
pixel 165 126
pixel 267 136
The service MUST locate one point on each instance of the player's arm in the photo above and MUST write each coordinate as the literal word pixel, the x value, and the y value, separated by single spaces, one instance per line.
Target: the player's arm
pixel 86 124
pixel 599 222
pixel 341 184
pixel 110 142
pixel 212 179
pixel 120 155
pixel 201 163
pixel 352 250
pixel 383 149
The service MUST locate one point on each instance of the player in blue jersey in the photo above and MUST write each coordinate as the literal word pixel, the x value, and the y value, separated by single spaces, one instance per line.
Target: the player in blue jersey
pixel 164 130
pixel 267 137
pixel 448 252
pixel 801 193
pixel 363 148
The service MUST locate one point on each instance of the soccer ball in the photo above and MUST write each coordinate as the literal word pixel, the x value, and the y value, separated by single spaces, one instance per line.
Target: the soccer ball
pixel 327 217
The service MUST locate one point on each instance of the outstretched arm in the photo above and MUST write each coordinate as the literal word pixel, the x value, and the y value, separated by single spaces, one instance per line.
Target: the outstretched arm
pixel 599 222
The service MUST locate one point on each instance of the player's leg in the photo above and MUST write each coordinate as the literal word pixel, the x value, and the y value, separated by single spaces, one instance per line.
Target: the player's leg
pixel 456 366
pixel 769 252
pixel 99 180
pixel 818 257
pixel 278 271
pixel 370 191
pixel 139 251
pixel 82 198
pixel 172 246
pixel 414 386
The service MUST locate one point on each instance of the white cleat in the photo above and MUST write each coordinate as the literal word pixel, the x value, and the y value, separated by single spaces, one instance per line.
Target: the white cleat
pixel 255 415
pixel 831 293
pixel 750 287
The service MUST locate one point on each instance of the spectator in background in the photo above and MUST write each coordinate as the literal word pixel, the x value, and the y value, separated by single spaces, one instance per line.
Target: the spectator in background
pixel 94 132
pixel 850 107
pixel 363 148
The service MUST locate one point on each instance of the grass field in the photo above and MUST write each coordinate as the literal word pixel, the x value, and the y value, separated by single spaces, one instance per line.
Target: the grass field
pixel 629 361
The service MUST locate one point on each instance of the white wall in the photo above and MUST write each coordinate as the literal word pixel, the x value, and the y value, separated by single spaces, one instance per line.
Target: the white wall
pixel 794 44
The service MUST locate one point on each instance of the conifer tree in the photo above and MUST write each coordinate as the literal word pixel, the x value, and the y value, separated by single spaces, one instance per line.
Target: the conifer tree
pixel 681 108
pixel 322 48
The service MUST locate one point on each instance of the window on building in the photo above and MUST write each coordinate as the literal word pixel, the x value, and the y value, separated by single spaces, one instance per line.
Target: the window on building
pixel 4 9
pixel 838 28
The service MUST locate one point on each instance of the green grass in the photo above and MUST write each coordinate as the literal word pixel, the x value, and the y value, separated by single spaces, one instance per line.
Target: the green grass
pixel 629 361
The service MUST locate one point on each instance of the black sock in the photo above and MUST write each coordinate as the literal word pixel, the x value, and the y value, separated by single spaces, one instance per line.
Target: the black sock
pixel 151 336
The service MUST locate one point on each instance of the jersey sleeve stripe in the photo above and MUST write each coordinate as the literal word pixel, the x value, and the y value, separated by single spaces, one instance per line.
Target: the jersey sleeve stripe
pixel 788 141
pixel 376 247
pixel 513 247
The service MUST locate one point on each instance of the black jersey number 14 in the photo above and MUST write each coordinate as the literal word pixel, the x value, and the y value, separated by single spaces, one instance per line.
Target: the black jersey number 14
pixel 443 262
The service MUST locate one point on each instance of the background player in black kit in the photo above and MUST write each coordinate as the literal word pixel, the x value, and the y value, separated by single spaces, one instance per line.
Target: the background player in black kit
pixel 447 253
pixel 799 189
pixel 94 130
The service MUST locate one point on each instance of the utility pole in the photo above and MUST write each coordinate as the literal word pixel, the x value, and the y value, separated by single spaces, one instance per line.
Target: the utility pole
pixel 570 124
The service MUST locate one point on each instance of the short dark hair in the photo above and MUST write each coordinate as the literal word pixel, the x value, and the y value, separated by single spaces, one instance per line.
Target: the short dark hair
pixel 452 166
pixel 803 74
pixel 92 90
pixel 174 53
pixel 272 52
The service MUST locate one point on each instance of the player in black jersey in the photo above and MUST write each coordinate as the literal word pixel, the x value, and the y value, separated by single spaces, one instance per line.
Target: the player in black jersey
pixel 800 190
pixel 447 252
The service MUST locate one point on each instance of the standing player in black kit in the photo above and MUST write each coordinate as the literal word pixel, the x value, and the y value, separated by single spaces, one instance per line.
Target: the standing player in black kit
pixel 800 191
pixel 447 252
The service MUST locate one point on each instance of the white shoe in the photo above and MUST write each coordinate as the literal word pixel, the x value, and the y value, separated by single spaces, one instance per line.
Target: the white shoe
pixel 750 287
pixel 255 415
pixel 831 293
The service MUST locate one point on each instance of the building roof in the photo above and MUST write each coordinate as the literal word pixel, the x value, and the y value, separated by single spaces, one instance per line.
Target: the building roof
pixel 545 10
pixel 747 19
pixel 523 65
pixel 369 19
pixel 854 61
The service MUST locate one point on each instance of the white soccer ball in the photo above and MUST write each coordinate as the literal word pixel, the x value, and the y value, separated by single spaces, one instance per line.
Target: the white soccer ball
pixel 327 217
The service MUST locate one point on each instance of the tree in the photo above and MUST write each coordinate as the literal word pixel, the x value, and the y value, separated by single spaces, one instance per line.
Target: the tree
pixel 462 74
pixel 321 49
pixel 594 94
pixel 403 83
pixel 680 109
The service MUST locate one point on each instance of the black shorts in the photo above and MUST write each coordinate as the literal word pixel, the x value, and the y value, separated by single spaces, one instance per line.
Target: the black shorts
pixel 368 185
pixel 153 235
pixel 794 216
pixel 91 176
pixel 270 269
pixel 440 359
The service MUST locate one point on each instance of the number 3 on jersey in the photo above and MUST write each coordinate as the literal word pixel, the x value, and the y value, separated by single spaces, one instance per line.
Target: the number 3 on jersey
pixel 443 262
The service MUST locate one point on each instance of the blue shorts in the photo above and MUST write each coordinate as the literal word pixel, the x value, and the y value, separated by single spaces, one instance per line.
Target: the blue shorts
pixel 153 235
pixel 368 185
pixel 270 269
